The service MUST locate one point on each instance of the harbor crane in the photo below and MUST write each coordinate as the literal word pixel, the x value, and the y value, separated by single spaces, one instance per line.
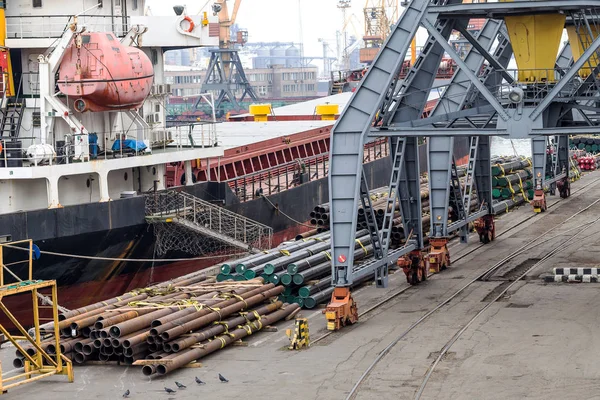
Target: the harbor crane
pixel 551 95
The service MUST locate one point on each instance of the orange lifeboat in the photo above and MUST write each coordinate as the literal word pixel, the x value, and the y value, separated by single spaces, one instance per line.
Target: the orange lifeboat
pixel 105 75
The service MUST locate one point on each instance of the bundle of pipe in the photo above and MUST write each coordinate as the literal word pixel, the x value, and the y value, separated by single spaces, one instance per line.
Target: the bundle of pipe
pixel 589 163
pixel 509 167
pixel 152 323
pixel 587 143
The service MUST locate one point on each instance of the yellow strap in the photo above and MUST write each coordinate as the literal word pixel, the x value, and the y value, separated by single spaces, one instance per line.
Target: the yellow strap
pixel 105 303
pixel 247 329
pixel 522 190
pixel 119 299
pixel 284 252
pixel 501 168
pixel 361 245
pixel 512 191
pixel 223 342
pixel 317 239
pixel 327 255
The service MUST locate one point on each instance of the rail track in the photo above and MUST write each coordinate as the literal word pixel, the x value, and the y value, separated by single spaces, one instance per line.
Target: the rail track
pixel 462 256
pixel 485 275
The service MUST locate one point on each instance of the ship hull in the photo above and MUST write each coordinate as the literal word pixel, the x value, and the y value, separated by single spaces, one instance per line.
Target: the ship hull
pixel 118 230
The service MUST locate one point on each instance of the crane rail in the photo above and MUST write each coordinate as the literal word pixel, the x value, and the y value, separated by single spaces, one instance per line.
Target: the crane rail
pixel 482 276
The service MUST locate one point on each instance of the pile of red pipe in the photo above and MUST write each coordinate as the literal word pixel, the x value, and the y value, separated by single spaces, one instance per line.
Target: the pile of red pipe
pixel 589 163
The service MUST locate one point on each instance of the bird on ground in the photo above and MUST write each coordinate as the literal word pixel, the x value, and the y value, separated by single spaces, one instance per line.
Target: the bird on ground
pixel 223 379
pixel 169 390
pixel 199 382
pixel 180 385
pixel 126 394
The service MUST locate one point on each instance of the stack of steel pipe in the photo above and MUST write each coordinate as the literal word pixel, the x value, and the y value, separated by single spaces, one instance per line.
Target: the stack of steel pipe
pixel 512 177
pixel 169 318
pixel 588 143
pixel 589 163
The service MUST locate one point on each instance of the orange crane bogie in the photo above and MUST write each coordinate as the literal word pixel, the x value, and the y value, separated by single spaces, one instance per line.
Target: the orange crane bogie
pixel 439 256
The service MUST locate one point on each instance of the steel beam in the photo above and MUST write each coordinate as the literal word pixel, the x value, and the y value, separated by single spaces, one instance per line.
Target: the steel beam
pixel 470 74
pixel 455 94
pixel 500 10
pixel 484 52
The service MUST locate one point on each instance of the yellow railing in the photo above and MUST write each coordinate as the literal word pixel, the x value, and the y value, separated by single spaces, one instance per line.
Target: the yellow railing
pixel 41 364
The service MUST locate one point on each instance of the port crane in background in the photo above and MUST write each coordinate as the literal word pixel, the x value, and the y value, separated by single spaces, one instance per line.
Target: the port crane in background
pixel 379 16
pixel 225 73
pixel 548 97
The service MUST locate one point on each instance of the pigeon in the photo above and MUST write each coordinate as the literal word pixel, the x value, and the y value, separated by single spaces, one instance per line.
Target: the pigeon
pixel 180 385
pixel 199 382
pixel 168 390
pixel 223 379
pixel 126 394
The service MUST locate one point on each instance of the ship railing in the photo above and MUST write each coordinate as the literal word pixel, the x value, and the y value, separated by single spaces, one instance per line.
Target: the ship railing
pixel 50 27
pixel 201 134
pixel 291 174
pixel 176 206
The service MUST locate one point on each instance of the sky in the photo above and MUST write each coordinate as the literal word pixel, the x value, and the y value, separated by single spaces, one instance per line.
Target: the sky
pixel 279 20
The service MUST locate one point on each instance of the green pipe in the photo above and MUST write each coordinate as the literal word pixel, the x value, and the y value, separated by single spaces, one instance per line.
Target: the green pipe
pixel 314 259
pixel 259 259
pixel 306 291
pixel 223 277
pixel 286 279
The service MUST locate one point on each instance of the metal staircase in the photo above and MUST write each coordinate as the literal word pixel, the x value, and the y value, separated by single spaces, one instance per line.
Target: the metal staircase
pixel 12 109
pixel 207 219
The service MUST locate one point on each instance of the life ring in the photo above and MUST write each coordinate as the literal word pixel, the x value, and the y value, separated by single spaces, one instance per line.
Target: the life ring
pixel 192 25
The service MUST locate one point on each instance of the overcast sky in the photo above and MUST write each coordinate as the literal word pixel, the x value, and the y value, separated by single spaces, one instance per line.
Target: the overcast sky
pixel 279 20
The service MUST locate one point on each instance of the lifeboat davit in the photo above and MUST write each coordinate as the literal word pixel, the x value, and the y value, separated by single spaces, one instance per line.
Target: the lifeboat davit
pixel 105 75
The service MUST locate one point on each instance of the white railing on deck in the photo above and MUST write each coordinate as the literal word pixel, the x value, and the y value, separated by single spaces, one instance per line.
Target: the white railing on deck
pixel 50 27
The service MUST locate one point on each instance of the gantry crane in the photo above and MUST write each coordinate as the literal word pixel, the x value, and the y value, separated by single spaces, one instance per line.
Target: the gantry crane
pixel 225 73
pixel 550 96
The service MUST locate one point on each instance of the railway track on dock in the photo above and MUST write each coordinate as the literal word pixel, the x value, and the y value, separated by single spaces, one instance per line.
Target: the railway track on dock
pixel 462 256
pixel 485 275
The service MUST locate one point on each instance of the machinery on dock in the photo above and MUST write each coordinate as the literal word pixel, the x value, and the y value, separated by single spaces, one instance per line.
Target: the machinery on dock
pixel 550 96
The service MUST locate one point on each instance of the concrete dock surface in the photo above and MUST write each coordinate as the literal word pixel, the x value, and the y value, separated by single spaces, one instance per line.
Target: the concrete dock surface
pixel 537 342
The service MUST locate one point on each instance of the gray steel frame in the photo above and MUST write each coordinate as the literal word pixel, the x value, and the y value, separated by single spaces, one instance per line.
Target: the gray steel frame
pixel 472 105
pixel 226 78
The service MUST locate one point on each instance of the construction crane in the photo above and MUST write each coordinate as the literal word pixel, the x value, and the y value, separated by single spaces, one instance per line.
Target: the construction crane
pixel 379 16
pixel 225 74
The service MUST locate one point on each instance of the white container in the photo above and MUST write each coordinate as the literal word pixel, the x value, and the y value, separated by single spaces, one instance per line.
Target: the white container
pixel 40 153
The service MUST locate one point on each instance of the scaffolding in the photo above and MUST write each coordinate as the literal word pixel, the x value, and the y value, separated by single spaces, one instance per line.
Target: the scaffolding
pixel 40 364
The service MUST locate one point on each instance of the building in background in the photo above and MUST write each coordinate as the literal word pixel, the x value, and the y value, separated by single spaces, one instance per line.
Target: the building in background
pixel 278 84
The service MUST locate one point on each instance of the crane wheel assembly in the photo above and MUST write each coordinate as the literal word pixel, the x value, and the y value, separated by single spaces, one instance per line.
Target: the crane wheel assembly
pixel 342 310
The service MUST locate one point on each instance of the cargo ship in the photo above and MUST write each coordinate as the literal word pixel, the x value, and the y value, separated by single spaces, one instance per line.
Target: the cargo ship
pixel 84 139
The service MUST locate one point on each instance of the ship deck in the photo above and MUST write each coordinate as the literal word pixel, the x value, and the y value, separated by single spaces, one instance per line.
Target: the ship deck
pixel 530 343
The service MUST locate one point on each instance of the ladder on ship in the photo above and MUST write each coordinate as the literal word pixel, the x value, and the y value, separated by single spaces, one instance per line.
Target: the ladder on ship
pixel 12 110
pixel 207 219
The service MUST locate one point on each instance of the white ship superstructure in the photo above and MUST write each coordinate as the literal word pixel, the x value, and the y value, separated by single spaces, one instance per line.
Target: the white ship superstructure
pixel 53 155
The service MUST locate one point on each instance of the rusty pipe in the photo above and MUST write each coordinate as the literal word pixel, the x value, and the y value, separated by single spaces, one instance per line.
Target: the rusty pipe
pixel 207 333
pixel 121 318
pixel 215 316
pixel 87 316
pixel 193 313
pixel 137 323
pixel 182 359
pixel 182 313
